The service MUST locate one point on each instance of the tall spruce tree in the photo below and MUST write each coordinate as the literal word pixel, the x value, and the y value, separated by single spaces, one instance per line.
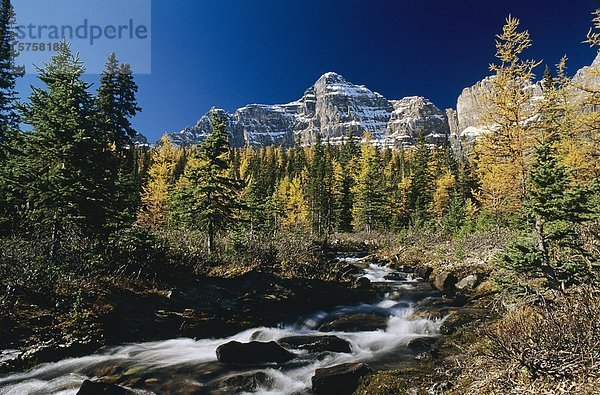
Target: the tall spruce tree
pixel 66 152
pixel 421 186
pixel 343 199
pixel 9 72
pixel 368 195
pixel 319 188
pixel 207 197
pixel 117 105
pixel 11 194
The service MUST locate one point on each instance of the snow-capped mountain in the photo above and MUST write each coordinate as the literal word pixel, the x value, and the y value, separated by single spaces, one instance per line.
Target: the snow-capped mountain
pixel 330 108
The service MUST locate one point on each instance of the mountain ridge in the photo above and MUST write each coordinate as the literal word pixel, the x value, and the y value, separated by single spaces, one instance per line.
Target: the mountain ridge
pixel 331 108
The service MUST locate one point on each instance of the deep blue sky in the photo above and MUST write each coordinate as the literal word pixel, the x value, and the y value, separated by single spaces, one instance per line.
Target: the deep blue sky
pixel 228 53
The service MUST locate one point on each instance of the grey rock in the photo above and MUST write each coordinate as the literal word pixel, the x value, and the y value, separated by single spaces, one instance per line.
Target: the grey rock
pixel 330 108
pixel 247 383
pixel 443 281
pixel 356 323
pixel 362 283
pixel 316 343
pixel 468 283
pixel 423 272
pixel 98 388
pixel 396 277
pixel 471 105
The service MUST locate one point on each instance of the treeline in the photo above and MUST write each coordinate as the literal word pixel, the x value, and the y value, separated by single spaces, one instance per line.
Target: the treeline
pixel 320 190
pixel 76 166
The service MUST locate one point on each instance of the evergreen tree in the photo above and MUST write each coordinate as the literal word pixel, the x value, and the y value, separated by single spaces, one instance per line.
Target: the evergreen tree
pixel 207 197
pixel 66 151
pixel 319 189
pixel 343 198
pixel 349 151
pixel 421 186
pixel 344 171
pixel 9 72
pixel 11 142
pixel 554 204
pixel 368 204
pixel 116 105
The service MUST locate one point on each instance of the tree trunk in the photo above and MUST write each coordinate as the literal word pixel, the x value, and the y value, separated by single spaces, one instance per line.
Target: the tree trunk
pixel 55 245
pixel 211 238
pixel 541 241
pixel 542 247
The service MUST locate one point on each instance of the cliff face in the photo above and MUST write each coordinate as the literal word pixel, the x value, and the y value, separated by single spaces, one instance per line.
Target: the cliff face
pixel 331 108
pixel 471 104
pixel 467 122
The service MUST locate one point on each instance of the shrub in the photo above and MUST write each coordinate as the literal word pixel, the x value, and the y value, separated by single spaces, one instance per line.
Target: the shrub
pixel 535 348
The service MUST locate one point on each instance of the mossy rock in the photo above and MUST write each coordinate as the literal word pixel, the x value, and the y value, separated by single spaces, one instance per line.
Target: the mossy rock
pixel 394 382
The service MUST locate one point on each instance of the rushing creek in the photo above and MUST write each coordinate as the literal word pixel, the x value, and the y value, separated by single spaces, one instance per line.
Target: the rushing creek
pixel 185 366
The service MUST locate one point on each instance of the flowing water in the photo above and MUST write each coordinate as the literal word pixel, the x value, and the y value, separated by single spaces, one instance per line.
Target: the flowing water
pixel 190 366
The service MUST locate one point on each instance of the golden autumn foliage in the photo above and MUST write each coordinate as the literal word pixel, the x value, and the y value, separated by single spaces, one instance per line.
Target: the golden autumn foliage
pixel 160 178
pixel 502 153
pixel 442 193
pixel 290 199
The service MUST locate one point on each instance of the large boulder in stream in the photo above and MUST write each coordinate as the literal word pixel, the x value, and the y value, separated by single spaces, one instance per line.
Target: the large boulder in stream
pixel 98 388
pixel 339 379
pixel 252 353
pixel 423 272
pixel 360 322
pixel 396 277
pixel 316 343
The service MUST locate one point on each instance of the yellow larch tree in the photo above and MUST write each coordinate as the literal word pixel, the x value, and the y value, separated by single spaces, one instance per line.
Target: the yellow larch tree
pixel 154 209
pixel 502 153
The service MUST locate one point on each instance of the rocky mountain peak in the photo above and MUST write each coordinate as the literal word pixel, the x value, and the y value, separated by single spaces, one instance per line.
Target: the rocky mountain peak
pixel 330 109
pixel 331 78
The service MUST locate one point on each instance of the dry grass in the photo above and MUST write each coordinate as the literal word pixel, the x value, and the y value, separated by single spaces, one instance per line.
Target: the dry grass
pixel 553 349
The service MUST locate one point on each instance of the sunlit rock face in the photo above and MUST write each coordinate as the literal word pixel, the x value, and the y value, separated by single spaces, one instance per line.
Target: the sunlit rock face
pixel 330 109
pixel 467 123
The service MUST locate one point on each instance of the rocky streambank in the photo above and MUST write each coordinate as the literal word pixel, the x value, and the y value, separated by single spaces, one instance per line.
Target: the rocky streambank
pixel 462 296
pixel 35 329
pixel 402 324
pixel 385 325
